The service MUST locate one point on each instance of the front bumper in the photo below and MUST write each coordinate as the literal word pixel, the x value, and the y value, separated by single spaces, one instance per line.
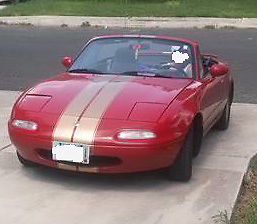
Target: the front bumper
pixel 103 159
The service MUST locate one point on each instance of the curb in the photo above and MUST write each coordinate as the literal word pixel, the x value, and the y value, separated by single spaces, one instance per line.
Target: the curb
pixel 131 22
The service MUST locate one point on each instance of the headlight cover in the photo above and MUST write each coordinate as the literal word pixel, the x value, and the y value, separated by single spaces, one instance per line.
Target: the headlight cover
pixel 136 135
pixel 28 125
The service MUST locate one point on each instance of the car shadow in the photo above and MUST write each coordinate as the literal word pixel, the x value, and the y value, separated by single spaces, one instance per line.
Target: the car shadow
pixel 71 180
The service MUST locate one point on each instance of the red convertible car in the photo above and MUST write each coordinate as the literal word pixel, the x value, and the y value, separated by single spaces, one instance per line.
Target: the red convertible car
pixel 127 103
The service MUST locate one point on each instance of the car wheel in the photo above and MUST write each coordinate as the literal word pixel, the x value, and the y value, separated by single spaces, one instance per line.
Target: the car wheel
pixel 223 122
pixel 25 162
pixel 181 170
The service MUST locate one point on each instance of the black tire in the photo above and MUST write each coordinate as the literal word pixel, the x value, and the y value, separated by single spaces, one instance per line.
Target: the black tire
pixel 223 122
pixel 25 162
pixel 198 135
pixel 181 170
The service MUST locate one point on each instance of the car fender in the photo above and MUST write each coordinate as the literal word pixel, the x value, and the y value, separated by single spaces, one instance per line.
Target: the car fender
pixel 180 114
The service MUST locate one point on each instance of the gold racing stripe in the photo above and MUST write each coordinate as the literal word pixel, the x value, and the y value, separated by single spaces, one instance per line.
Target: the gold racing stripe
pixel 87 108
pixel 64 128
pixel 89 121
pixel 66 166
pixel 88 169
pixel 77 168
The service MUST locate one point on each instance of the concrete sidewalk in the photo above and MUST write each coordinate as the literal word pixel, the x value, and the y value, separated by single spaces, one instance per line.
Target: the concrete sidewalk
pixel 133 22
pixel 7 98
pixel 40 195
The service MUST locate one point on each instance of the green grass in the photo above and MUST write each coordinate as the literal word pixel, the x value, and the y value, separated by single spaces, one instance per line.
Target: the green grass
pixel 246 208
pixel 159 8
pixel 245 211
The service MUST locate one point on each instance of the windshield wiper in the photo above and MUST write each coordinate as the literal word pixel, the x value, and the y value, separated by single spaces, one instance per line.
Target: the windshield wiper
pixel 138 73
pixel 91 71
pixel 145 73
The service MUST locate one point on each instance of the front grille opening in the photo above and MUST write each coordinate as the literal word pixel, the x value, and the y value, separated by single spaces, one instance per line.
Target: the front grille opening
pixel 94 161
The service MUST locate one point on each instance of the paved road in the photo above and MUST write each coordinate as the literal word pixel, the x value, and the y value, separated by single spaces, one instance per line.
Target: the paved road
pixel 29 54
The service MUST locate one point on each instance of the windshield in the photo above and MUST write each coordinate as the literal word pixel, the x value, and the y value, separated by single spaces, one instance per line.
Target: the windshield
pixel 136 56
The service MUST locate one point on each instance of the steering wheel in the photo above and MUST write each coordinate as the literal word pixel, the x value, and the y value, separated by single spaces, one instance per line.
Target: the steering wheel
pixel 169 65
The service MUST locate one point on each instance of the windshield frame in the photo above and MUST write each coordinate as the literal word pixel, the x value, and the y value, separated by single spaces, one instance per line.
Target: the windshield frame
pixel 192 48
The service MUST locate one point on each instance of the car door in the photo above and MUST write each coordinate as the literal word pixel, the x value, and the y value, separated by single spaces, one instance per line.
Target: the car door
pixel 211 95
pixel 225 89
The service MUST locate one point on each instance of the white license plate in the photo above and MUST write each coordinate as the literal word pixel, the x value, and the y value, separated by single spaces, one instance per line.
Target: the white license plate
pixel 70 152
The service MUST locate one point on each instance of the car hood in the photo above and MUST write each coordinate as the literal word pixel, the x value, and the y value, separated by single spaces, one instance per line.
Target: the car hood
pixel 104 96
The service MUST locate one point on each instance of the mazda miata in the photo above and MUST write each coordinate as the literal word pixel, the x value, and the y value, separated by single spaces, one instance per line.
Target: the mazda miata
pixel 127 103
